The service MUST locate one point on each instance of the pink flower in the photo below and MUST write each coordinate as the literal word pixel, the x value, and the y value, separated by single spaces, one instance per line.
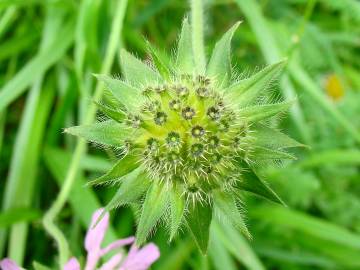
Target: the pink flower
pixel 7 264
pixel 137 259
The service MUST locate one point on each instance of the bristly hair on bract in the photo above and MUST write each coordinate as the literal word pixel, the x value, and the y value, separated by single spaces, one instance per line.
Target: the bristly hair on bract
pixel 189 140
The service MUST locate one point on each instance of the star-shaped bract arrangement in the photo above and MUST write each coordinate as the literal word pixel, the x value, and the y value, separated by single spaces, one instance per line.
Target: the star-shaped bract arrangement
pixel 189 140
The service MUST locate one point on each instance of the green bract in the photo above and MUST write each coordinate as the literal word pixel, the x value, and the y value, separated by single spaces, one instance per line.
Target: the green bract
pixel 189 141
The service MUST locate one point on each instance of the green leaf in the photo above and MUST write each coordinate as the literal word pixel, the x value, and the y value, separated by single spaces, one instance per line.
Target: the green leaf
pixel 136 72
pixel 133 186
pixel 199 220
pixel 251 182
pixel 246 91
pixel 272 138
pixel 219 66
pixel 107 132
pixel 260 112
pixel 155 204
pixel 116 115
pixel 161 66
pixel 126 94
pixel 225 205
pixel 177 207
pixel 264 153
pixel 124 166
pixel 184 58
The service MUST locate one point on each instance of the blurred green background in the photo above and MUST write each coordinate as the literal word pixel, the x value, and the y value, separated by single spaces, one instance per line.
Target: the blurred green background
pixel 49 50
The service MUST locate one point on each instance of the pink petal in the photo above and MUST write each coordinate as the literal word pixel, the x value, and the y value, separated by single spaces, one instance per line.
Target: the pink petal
pixel 117 244
pixel 72 264
pixel 141 259
pixel 7 264
pixel 112 263
pixel 95 235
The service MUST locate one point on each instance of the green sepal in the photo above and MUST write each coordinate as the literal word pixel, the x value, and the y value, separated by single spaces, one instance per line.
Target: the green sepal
pixel 198 221
pixel 107 133
pixel 126 94
pixel 124 166
pixel 155 204
pixel 225 205
pixel 162 67
pixel 177 207
pixel 219 66
pixel 251 182
pixel 184 62
pixel 245 92
pixel 117 115
pixel 264 153
pixel 133 186
pixel 260 112
pixel 137 72
pixel 273 138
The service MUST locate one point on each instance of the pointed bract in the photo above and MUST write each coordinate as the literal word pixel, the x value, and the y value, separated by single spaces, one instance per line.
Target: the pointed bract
pixel 108 133
pixel 245 92
pixel 259 112
pixel 124 166
pixel 177 207
pixel 219 66
pixel 136 72
pixel 126 94
pixel 198 220
pixel 275 139
pixel 184 57
pixel 251 182
pixel 264 153
pixel 162 67
pixel 117 115
pixel 154 206
pixel 133 186
pixel 225 205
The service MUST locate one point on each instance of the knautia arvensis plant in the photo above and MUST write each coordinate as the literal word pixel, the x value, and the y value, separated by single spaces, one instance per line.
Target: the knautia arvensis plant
pixel 189 139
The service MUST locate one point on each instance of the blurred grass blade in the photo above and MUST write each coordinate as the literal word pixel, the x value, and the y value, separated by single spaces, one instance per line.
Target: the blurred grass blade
pixel 272 54
pixel 21 180
pixel 9 217
pixel 219 255
pixel 304 80
pixel 333 157
pixel 89 162
pixel 6 19
pixel 308 224
pixel 58 162
pixel 197 34
pixel 36 67
pixel 235 243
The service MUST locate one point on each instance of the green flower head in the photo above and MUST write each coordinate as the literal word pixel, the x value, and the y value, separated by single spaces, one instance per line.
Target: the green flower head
pixel 190 139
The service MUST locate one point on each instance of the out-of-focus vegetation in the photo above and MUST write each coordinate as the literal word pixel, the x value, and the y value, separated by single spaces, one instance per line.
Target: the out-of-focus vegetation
pixel 48 52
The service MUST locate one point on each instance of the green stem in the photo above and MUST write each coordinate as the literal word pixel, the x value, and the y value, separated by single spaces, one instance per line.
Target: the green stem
pixel 73 171
pixel 197 32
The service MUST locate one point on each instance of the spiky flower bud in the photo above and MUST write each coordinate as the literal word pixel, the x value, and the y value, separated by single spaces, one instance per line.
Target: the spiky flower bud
pixel 190 140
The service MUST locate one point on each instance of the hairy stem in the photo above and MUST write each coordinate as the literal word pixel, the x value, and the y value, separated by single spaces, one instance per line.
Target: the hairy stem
pixel 80 149
pixel 197 28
